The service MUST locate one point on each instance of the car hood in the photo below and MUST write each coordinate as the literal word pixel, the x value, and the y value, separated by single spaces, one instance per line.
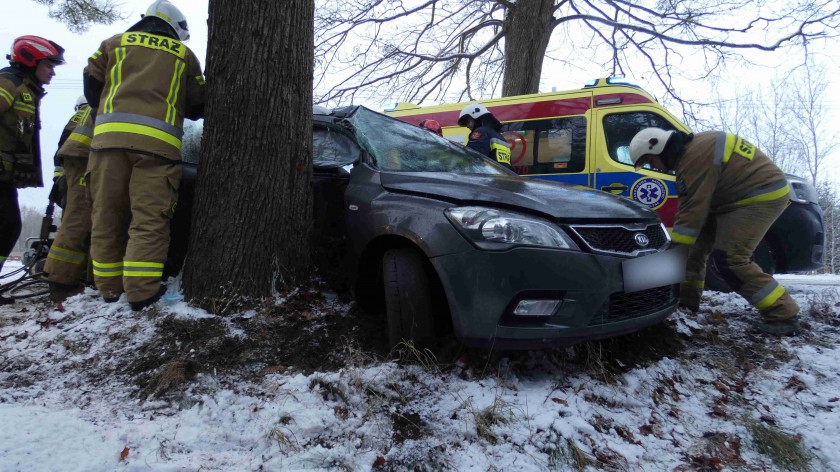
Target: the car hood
pixel 558 201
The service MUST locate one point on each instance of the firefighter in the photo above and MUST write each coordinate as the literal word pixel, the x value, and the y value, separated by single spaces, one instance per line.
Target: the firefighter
pixel 143 83
pixel 32 63
pixel 730 194
pixel 484 133
pixel 433 126
pixel 67 261
pixel 58 174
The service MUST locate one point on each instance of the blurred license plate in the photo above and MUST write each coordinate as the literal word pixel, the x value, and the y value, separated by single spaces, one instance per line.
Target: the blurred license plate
pixel 654 270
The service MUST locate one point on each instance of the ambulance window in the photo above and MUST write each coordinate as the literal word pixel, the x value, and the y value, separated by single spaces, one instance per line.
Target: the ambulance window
pixel 619 129
pixel 547 146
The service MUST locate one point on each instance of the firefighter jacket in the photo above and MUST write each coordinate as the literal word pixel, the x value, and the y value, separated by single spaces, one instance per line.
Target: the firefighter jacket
pixel 491 143
pixel 718 172
pixel 150 83
pixel 77 142
pixel 20 153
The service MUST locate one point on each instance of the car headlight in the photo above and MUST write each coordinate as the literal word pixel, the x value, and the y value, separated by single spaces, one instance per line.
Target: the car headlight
pixel 802 191
pixel 494 229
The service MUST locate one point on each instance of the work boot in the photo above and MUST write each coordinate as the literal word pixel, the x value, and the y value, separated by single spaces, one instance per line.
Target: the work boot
pixel 694 308
pixel 110 297
pixel 61 292
pixel 137 306
pixel 788 327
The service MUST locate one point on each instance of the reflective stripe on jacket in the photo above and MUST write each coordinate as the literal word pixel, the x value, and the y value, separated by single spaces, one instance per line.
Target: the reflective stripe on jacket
pixel 78 142
pixel 717 172
pixel 151 83
pixel 20 98
pixel 491 143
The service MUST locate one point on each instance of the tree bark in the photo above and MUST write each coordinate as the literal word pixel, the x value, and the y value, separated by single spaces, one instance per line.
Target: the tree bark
pixel 252 215
pixel 528 28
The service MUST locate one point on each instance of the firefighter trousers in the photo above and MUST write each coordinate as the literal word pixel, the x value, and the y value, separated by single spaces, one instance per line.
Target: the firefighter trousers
pixel 134 197
pixel 726 244
pixel 67 261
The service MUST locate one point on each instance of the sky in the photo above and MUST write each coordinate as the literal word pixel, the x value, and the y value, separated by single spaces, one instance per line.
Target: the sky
pixel 66 87
pixel 70 400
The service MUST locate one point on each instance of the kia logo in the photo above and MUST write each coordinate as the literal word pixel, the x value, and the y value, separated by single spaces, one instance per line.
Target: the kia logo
pixel 641 239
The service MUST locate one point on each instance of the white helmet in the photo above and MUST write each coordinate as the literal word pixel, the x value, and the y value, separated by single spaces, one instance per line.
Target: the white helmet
pixel 80 101
pixel 475 110
pixel 649 141
pixel 168 13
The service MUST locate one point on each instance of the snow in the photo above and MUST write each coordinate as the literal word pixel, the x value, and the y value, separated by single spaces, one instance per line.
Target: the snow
pixel 57 413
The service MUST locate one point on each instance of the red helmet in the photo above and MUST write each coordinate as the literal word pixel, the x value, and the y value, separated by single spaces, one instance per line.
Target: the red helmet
pixel 433 126
pixel 28 50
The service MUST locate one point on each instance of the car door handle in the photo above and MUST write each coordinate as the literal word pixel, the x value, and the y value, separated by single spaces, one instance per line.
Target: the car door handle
pixel 615 188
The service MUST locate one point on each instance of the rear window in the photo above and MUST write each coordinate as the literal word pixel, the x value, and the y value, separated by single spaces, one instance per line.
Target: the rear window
pixel 191 141
pixel 332 149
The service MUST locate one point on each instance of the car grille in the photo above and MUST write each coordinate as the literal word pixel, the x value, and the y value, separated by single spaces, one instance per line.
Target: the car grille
pixel 622 240
pixel 624 306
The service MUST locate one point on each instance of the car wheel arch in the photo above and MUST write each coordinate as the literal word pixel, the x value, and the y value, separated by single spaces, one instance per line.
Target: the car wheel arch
pixel 368 287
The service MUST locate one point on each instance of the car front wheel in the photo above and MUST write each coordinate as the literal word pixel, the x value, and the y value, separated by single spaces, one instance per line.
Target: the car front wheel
pixel 408 298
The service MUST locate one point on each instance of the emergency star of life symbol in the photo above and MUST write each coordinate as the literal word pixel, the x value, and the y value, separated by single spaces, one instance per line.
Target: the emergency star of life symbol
pixel 649 191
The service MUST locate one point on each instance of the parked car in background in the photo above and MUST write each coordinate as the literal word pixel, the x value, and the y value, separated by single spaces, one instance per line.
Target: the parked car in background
pixel 582 137
pixel 441 240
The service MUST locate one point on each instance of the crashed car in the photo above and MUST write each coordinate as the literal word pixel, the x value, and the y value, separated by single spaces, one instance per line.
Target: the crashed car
pixel 443 240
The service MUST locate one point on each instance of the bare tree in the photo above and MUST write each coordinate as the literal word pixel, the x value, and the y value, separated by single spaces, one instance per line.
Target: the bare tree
pixel 446 50
pixel 78 15
pixel 253 204
pixel 760 116
pixel 830 203
pixel 813 136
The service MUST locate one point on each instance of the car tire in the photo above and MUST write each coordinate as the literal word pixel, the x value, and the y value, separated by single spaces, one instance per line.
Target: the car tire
pixel 408 298
pixel 763 256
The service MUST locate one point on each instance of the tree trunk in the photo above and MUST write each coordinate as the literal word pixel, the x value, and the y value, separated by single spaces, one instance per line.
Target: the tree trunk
pixel 252 216
pixel 528 27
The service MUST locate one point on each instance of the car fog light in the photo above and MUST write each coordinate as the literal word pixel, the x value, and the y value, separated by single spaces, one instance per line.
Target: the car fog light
pixel 536 307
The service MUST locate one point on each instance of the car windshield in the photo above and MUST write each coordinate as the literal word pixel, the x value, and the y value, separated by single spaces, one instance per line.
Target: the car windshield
pixel 400 147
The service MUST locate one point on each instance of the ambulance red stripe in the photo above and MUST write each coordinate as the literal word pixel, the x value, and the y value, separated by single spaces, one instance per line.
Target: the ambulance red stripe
pixel 527 110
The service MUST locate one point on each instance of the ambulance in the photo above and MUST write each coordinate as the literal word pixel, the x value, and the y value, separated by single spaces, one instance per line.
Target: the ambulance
pixel 581 137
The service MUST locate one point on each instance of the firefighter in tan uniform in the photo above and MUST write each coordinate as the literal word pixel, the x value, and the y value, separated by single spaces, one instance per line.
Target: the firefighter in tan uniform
pixel 143 84
pixel 730 194
pixel 67 261
pixel 32 63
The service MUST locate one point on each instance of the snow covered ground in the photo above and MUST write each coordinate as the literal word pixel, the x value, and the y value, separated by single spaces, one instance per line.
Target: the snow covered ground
pixel 80 391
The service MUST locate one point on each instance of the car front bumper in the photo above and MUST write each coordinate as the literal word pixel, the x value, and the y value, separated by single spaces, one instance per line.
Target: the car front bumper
pixel 593 304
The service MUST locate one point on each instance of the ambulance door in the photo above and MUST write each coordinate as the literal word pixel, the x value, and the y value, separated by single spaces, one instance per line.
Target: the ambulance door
pixel 613 170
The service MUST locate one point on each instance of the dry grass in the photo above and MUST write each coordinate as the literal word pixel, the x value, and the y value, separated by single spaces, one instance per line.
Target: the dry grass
pixel 784 449
pixel 330 391
pixel 486 419
pixel 170 377
pixel 285 439
pixel 821 306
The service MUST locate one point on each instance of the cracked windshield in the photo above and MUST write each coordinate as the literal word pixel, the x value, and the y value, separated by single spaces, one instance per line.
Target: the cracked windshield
pixel 400 147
